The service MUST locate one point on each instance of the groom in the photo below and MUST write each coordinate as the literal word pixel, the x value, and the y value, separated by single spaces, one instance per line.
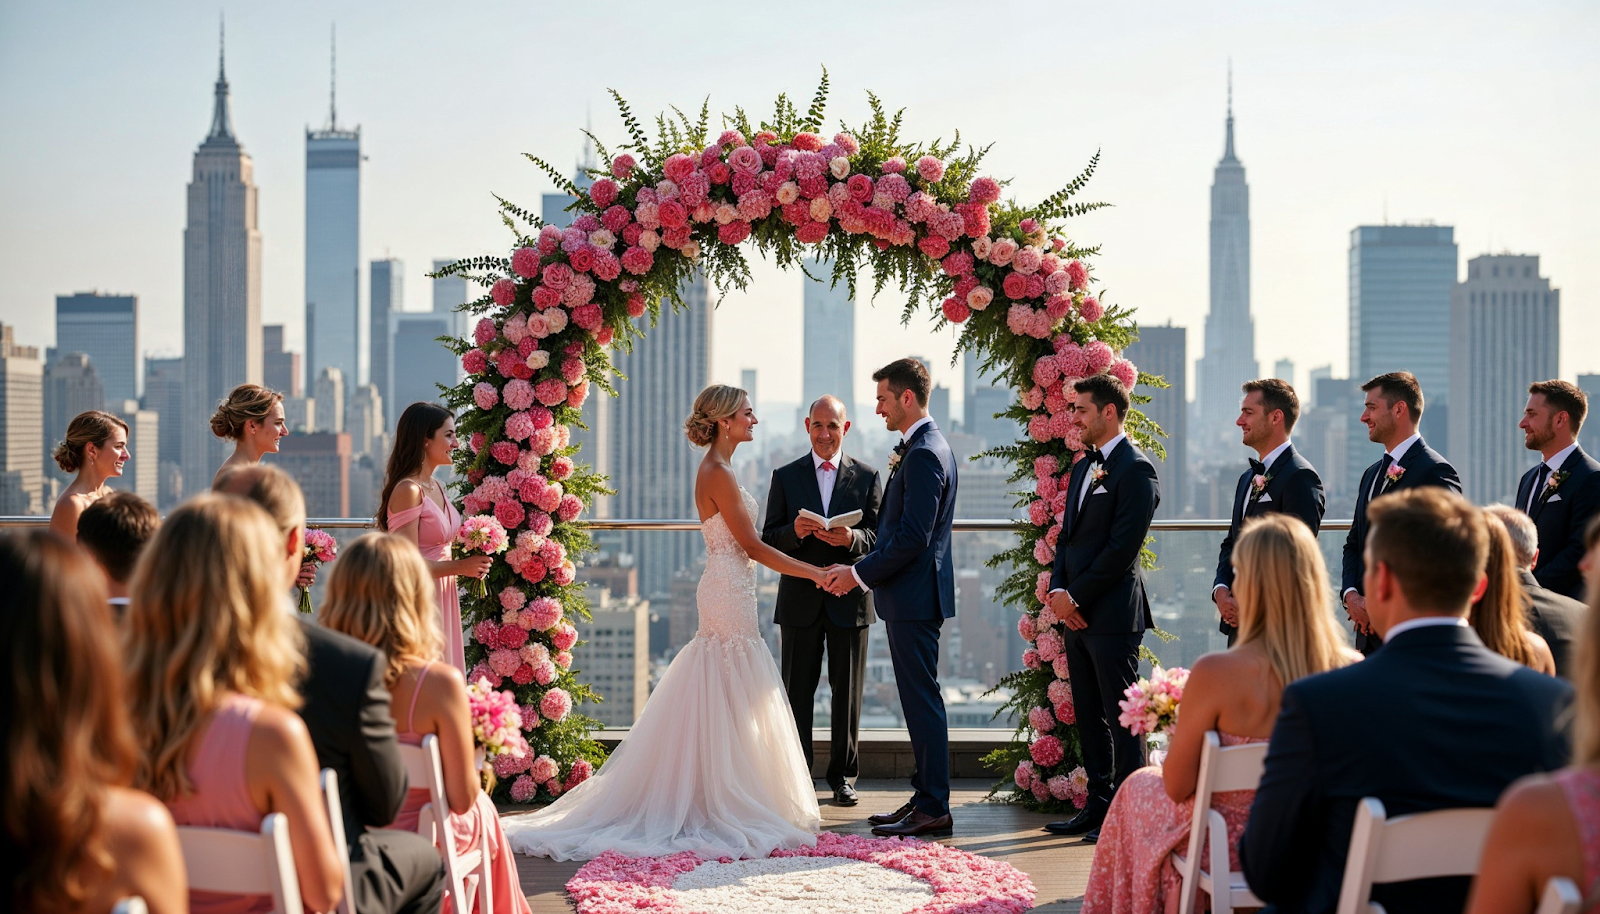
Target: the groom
pixel 912 579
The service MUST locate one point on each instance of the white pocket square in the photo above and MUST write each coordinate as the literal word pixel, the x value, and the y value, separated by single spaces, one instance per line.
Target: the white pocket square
pixel 1263 499
pixel 1552 498
pixel 1099 490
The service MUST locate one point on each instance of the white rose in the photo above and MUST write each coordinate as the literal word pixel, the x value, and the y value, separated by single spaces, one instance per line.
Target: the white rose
pixel 649 240
pixel 538 359
pixel 691 250
pixel 601 238
pixel 839 168
pixel 557 318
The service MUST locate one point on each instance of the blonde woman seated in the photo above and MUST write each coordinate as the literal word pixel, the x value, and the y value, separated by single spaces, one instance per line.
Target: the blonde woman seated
pixel 1501 616
pixel 1286 631
pixel 212 659
pixel 381 592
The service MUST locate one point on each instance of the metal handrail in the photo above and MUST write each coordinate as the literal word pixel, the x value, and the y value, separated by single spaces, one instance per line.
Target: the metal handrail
pixel 985 525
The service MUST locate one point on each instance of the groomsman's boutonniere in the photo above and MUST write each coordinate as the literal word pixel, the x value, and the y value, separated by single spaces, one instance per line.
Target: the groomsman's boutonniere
pixel 1097 475
pixel 1555 481
pixel 1258 486
pixel 1391 477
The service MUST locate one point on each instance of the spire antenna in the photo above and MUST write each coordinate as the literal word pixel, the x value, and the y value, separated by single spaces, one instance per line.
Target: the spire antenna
pixel 333 76
pixel 1227 151
pixel 222 45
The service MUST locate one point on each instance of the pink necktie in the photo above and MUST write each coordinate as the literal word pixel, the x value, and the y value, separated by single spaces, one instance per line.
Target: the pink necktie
pixel 827 466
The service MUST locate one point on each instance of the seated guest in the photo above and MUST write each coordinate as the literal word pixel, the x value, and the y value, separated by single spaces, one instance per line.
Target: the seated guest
pixel 346 708
pixel 74 838
pixel 1433 720
pixel 212 656
pixel 113 531
pixel 1555 617
pixel 1500 616
pixel 1549 825
pixel 1286 632
pixel 96 448
pixel 381 592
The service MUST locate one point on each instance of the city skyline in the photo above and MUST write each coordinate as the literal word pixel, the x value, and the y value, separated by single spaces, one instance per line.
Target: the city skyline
pixel 1318 169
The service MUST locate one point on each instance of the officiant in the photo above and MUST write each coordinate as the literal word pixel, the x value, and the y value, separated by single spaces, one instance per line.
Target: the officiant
pixel 828 483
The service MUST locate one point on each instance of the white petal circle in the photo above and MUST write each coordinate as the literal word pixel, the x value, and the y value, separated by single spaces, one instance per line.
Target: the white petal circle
pixel 814 885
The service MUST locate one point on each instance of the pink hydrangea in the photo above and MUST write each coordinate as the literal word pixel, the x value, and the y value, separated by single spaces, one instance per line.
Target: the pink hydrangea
pixel 956 311
pixel 1025 627
pixel 1090 308
pixel 581 771
pixel 1061 787
pixel 579 392
pixel 1033 397
pixel 564 637
pixel 984 190
pixel 563 659
pixel 1046 752
pixel 518 394
pixel 1030 659
pixel 1077 275
pixel 473 361
pixel 1098 355
pixel 1059 690
pixel 1027 260
pixel 894 165
pixel 1050 645
pixel 930 169
pixel 512 598
pixel 622 166
pixel 1064 710
pixel 550 392
pixel 1024 775
pixel 546 613
pixel 484 394
pixel 1060 668
pixel 603 192
pixel 1043 553
pixel 543 768
pixel 545 672
pixel 504 290
pixel 1041 720
pixel 524 789
pixel 561 468
pixel 556 704
pixel 531 719
pixel 519 427
pixel 504 451
pixel 637 260
pixel 571 506
pixel 504 662
pixel 1124 371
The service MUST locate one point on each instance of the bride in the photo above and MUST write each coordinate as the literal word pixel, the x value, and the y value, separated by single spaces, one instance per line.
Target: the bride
pixel 713 764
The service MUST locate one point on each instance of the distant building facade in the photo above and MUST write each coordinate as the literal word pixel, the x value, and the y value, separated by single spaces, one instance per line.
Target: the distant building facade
pixel 163 395
pixel 1164 351
pixel 280 370
pixel 106 329
pixel 71 386
pixel 1589 435
pixel 320 462
pixel 335 324
pixel 21 426
pixel 828 353
pixel 329 394
pixel 141 475
pixel 1230 339
pixel 386 289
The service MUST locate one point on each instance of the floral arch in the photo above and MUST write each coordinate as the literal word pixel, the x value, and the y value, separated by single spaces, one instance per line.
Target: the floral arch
pixel 917 215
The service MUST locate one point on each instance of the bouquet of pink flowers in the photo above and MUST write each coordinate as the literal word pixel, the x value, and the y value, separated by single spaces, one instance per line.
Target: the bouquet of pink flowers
pixel 1151 705
pixel 320 549
pixel 481 533
pixel 496 721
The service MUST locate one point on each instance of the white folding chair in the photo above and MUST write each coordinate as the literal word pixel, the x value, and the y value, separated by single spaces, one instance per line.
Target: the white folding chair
pixel 244 863
pixel 1231 768
pixel 133 904
pixel 335 807
pixel 1445 842
pixel 1561 896
pixel 425 768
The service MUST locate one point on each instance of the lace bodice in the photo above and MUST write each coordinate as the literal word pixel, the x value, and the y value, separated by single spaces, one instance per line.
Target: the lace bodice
pixel 727 592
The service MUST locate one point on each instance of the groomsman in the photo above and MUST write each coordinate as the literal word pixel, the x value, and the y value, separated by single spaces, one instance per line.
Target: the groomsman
pixel 1097 590
pixel 1391 412
pixel 1279 481
pixel 1563 491
pixel 828 482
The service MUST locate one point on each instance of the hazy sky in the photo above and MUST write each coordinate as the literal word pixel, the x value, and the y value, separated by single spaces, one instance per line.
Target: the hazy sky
pixel 1471 114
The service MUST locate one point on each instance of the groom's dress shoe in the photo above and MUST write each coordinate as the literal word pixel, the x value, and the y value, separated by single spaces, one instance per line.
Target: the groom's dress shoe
pixel 893 817
pixel 1086 821
pixel 845 795
pixel 917 825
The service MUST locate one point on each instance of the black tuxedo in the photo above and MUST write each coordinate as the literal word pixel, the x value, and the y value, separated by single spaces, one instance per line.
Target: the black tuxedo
pixel 1557 618
pixel 1434 720
pixel 1097 564
pixel 1561 516
pixel 347 713
pixel 811 619
pixel 1293 487
pixel 1423 466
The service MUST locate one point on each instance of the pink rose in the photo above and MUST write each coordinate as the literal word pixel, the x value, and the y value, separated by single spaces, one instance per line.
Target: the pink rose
pixel 509 513
pixel 1002 252
pixel 979 298
pixel 1015 286
pixel 677 167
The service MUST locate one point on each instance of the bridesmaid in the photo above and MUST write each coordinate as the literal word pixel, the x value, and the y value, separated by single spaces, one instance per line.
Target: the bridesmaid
pixel 95 448
pixel 252 416
pixel 414 505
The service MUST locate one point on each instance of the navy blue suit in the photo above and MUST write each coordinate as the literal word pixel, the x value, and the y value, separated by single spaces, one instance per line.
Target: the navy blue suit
pixel 1293 487
pixel 1561 516
pixel 911 574
pixel 1433 721
pixel 1423 466
pixel 1097 564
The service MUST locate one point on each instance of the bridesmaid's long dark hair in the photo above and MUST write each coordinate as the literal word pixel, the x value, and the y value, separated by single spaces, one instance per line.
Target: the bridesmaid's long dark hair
pixel 417 424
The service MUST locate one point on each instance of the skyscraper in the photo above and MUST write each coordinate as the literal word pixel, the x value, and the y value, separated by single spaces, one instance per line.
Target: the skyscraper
pixel 1505 331
pixel 828 355
pixel 448 292
pixel 71 386
pixel 330 396
pixel 334 322
pixel 652 465
pixel 280 370
pixel 981 400
pixel 747 381
pixel 221 287
pixel 21 426
pixel 106 329
pixel 163 394
pixel 553 207
pixel 1283 370
pixel 421 363
pixel 1589 434
pixel 365 423
pixel 1164 351
pixel 1230 355
pixel 141 475
pixel 386 289
pixel 320 463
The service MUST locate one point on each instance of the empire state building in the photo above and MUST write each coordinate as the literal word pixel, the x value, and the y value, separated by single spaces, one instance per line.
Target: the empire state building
pixel 1230 354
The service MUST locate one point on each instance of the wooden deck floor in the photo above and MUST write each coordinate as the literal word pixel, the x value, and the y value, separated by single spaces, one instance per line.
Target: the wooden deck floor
pixel 1059 867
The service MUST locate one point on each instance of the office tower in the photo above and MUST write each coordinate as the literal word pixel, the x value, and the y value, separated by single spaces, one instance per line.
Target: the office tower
pixel 163 394
pixel 1283 370
pixel 141 475
pixel 221 288
pixel 300 415
pixel 320 462
pixel 335 328
pixel 747 381
pixel 1164 351
pixel 421 363
pixel 1230 353
pixel 553 207
pixel 366 483
pixel 1589 434
pixel 106 329
pixel 939 406
pixel 365 422
pixel 329 394
pixel 280 370
pixel 386 289
pixel 1323 436
pixel 652 464
pixel 616 660
pixel 71 386
pixel 829 346
pixel 982 398
pixel 1505 333
pixel 448 292
pixel 21 426
pixel 1308 397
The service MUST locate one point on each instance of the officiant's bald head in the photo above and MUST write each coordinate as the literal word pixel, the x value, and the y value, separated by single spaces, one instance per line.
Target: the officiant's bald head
pixel 827 425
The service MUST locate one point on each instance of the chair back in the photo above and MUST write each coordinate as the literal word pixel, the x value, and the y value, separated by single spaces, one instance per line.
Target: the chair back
pixel 133 904
pixel 1445 842
pixel 1561 896
pixel 335 807
pixel 1221 769
pixel 425 768
pixel 244 863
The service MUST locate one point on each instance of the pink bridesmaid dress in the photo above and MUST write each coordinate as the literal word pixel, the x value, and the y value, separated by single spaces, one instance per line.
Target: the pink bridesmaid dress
pixel 221 797
pixel 1581 786
pixel 435 532
pixel 504 883
pixel 1132 872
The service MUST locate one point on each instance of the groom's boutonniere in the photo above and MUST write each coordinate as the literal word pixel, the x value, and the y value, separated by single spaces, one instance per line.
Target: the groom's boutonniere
pixel 894 458
pixel 1258 485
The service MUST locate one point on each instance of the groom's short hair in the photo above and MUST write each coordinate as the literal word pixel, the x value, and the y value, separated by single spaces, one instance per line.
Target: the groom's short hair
pixel 1104 389
pixel 904 375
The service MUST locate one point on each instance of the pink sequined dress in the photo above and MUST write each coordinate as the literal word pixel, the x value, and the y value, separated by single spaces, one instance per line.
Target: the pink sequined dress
pixel 1581 786
pixel 436 530
pixel 713 764
pixel 504 885
pixel 1132 871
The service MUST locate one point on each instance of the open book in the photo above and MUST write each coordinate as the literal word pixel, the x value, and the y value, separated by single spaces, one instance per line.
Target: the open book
pixel 847 519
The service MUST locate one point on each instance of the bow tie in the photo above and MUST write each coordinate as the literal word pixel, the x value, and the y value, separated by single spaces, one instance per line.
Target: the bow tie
pixel 1257 467
pixel 827 466
pixel 1094 456
pixel 901 447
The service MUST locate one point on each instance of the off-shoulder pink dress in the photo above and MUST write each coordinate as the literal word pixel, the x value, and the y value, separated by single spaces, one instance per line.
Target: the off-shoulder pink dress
pixel 436 530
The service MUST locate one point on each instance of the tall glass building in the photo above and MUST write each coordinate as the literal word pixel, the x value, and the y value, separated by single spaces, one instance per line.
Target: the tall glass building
pixel 335 325
pixel 1229 359
pixel 828 364
pixel 106 329
pixel 385 290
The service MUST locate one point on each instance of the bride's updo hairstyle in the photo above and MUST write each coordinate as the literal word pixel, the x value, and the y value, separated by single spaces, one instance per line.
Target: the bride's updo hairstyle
pixel 717 402
pixel 247 402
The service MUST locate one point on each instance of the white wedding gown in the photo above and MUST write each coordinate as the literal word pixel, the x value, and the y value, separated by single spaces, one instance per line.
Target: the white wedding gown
pixel 713 764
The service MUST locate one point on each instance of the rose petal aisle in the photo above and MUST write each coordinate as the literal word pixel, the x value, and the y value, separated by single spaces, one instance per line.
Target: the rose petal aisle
pixel 842 874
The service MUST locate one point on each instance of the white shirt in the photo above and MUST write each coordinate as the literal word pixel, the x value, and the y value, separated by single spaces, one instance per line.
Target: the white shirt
pixel 1395 453
pixel 1267 462
pixel 1424 622
pixel 1554 463
pixel 826 478
pixel 904 436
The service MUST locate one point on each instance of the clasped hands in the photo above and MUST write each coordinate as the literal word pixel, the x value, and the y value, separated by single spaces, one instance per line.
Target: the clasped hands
pixel 838 580
pixel 1067 611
